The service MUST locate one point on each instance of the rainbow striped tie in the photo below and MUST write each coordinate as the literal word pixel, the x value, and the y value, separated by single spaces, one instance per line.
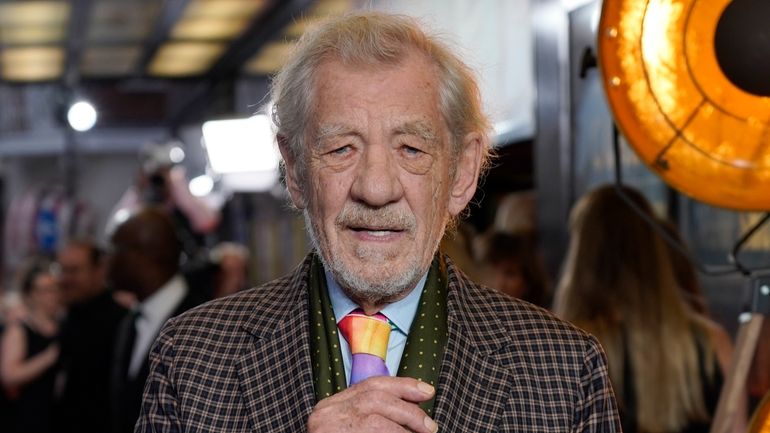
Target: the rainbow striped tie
pixel 368 340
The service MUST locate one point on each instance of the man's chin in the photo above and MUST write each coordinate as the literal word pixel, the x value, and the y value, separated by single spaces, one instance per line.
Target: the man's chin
pixel 377 293
pixel 365 281
pixel 379 254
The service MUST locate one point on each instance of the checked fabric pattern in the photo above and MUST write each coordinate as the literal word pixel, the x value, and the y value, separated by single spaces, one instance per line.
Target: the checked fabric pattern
pixel 368 339
pixel 243 364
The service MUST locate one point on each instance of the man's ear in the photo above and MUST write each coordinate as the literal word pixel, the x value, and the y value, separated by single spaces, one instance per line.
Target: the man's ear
pixel 467 173
pixel 293 183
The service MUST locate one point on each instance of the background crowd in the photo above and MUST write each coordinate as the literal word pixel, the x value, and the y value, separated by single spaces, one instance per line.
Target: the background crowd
pixel 75 336
pixel 78 325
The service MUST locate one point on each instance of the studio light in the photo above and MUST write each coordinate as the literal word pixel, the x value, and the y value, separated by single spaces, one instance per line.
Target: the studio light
pixel 176 154
pixel 202 185
pixel 241 145
pixel 243 152
pixel 687 84
pixel 81 116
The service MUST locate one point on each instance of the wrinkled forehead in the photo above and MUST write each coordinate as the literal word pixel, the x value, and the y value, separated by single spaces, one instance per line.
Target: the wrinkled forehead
pixel 371 66
pixel 421 72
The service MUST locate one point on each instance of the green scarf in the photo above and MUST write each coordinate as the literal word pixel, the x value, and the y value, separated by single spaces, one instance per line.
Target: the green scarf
pixel 424 345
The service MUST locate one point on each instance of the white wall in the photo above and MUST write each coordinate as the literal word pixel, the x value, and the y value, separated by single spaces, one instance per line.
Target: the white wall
pixel 495 38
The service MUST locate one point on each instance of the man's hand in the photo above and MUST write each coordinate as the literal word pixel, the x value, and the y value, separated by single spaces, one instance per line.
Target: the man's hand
pixel 379 404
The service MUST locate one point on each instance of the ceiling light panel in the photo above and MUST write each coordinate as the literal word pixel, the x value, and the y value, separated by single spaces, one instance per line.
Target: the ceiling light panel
pixel 33 22
pixel 209 28
pixel 320 10
pixel 222 8
pixel 273 55
pixel 31 35
pixel 122 21
pixel 324 8
pixel 215 19
pixel 270 58
pixel 34 13
pixel 32 63
pixel 185 58
pixel 298 27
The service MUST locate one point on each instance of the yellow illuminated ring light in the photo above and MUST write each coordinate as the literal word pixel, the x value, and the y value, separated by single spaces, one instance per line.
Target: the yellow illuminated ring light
pixel 687 120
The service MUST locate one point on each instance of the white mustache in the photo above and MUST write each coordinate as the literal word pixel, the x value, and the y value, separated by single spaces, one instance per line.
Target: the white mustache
pixel 385 218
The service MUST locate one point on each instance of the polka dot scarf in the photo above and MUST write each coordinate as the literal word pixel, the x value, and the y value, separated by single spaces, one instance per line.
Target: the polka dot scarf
pixel 424 346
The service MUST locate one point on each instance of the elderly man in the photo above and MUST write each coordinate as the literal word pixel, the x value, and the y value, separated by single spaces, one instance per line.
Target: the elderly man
pixel 383 138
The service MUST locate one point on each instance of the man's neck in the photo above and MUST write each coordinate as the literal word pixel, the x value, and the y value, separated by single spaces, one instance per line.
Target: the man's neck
pixel 153 283
pixel 370 307
pixel 343 302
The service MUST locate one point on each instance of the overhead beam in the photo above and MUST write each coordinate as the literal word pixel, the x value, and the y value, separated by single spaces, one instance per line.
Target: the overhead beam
pixel 262 30
pixel 169 14
pixel 80 14
pixel 76 32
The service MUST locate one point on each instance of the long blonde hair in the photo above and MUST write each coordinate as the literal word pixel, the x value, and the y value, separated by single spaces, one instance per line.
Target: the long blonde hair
pixel 618 284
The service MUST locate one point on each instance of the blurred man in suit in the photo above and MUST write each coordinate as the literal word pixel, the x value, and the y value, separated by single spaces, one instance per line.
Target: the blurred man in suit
pixel 144 261
pixel 87 339
pixel 383 139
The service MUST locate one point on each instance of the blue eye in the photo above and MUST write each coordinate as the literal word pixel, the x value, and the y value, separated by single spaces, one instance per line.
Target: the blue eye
pixel 341 150
pixel 412 150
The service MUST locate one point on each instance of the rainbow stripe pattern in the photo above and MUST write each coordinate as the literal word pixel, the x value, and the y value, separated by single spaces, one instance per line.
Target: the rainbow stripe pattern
pixel 368 339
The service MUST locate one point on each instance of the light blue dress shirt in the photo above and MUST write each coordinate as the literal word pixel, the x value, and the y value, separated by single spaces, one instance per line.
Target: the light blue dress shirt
pixel 401 313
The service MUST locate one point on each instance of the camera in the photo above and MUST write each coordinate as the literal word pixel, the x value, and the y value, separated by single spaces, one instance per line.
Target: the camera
pixel 157 159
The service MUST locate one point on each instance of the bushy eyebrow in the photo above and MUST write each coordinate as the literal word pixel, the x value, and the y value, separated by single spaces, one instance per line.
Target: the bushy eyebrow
pixel 418 129
pixel 332 130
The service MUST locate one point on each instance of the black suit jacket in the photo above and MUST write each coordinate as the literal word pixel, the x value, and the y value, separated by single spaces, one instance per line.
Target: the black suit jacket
pixel 87 340
pixel 126 393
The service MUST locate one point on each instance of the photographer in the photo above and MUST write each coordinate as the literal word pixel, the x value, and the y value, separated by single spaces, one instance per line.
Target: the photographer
pixel 162 181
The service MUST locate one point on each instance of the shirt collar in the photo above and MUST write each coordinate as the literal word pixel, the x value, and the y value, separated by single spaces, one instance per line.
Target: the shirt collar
pixel 161 304
pixel 401 312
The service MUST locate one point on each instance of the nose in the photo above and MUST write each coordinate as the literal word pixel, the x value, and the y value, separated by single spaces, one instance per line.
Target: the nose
pixel 377 180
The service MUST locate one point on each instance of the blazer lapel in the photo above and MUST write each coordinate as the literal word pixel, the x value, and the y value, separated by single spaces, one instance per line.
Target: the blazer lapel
pixel 274 371
pixel 473 388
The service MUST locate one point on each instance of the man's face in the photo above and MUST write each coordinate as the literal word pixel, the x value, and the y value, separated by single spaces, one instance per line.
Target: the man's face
pixel 380 186
pixel 79 278
pixel 124 261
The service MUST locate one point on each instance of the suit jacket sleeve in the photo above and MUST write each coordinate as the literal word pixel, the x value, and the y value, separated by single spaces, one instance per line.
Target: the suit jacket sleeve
pixel 159 407
pixel 596 411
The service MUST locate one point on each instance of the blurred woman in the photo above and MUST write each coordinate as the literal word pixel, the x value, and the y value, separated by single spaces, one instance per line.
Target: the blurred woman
pixel 667 362
pixel 29 351
pixel 684 271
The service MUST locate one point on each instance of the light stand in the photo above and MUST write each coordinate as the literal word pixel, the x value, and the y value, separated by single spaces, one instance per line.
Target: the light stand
pixel 749 330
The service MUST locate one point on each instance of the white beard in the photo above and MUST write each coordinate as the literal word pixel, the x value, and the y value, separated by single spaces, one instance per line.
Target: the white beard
pixel 390 283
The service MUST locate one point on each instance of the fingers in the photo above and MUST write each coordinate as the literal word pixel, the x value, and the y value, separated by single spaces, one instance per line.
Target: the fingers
pixel 386 405
pixel 381 404
pixel 378 423
pixel 405 388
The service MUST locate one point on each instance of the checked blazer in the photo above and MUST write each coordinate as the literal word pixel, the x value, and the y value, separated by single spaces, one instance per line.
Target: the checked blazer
pixel 243 364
